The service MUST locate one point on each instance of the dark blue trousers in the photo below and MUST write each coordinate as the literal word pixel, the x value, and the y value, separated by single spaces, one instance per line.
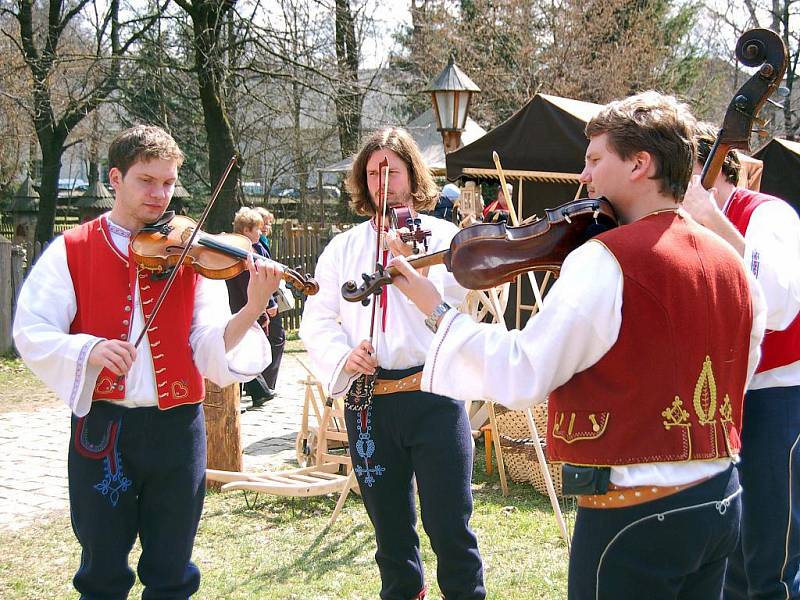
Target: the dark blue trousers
pixel 668 549
pixel 407 434
pixel 766 562
pixel 137 472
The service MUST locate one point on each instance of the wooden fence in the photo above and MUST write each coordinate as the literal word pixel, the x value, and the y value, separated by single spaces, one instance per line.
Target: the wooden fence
pixel 298 247
pixel 14 262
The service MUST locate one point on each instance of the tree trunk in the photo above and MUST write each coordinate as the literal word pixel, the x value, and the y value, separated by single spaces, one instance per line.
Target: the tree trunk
pixel 48 191
pixel 221 407
pixel 207 21
pixel 349 98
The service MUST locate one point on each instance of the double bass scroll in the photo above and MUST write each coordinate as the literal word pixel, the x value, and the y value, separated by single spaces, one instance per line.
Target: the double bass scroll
pixel 755 47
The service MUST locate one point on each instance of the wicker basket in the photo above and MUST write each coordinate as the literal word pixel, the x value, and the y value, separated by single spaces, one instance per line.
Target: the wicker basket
pixel 517 445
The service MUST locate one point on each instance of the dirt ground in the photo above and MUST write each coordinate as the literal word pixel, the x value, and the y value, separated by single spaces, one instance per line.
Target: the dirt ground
pixel 20 389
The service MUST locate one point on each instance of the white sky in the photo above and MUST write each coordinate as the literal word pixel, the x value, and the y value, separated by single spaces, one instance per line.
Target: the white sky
pixel 388 15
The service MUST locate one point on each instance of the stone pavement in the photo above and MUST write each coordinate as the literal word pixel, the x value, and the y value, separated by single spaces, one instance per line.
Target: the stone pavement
pixel 33 447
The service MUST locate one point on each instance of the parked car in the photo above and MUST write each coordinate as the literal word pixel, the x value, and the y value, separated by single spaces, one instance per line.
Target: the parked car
pixel 77 184
pixel 252 188
pixel 289 193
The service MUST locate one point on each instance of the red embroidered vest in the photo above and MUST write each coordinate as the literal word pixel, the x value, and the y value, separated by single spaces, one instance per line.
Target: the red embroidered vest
pixel 104 282
pixel 671 388
pixel 779 348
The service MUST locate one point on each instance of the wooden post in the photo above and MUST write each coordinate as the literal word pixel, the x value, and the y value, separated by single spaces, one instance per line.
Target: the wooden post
pixel 6 295
pixel 221 407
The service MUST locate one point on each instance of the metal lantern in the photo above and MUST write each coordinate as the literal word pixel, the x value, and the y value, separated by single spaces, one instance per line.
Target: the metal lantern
pixel 452 92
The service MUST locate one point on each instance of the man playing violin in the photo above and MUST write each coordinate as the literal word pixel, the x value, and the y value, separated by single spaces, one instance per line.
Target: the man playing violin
pixel 404 432
pixel 138 451
pixel 644 346
pixel 766 232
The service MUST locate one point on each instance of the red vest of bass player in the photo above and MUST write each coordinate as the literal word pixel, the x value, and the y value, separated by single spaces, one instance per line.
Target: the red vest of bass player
pixel 671 388
pixel 779 348
pixel 104 282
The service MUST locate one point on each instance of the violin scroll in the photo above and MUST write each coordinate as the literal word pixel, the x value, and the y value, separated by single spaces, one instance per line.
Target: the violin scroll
pixel 301 284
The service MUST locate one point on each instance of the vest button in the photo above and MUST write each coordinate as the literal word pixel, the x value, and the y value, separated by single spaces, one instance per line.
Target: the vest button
pixel 125 321
pixel 124 336
pixel 129 297
pixel 127 309
pixel 121 388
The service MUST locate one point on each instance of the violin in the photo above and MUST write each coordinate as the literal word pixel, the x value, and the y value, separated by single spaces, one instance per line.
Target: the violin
pixel 486 255
pixel 400 217
pixel 158 247
pixel 755 48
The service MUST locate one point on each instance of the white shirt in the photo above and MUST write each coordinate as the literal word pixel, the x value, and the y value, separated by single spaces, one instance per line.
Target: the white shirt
pixel 579 323
pixel 47 306
pixel 772 251
pixel 332 327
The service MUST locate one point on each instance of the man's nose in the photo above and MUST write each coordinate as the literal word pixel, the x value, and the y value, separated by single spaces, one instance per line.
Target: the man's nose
pixel 585 177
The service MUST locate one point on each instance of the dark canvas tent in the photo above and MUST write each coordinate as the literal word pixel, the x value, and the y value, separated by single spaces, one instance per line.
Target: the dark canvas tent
pixel 541 147
pixel 781 175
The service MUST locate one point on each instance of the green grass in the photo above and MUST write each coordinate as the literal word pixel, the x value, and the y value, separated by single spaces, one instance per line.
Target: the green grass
pixel 252 547
pixel 280 548
pixel 293 343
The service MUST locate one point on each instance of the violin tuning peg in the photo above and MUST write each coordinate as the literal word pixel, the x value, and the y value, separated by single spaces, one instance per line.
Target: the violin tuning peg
pixel 365 277
pixel 365 301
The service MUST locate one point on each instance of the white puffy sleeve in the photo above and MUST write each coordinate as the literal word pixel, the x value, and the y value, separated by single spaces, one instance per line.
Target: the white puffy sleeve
pixel 45 309
pixel 579 323
pixel 321 329
pixel 211 315
pixel 772 251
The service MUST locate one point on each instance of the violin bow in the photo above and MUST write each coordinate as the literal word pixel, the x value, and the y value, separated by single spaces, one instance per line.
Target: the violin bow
pixel 174 273
pixel 537 444
pixel 380 220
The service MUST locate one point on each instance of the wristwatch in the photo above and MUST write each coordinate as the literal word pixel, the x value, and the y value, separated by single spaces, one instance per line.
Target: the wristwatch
pixel 432 322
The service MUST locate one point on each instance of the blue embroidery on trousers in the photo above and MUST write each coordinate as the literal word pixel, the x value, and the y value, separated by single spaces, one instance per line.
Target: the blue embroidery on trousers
pixel 365 446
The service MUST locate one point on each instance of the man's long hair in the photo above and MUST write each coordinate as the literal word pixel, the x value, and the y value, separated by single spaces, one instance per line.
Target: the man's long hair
pixel 424 192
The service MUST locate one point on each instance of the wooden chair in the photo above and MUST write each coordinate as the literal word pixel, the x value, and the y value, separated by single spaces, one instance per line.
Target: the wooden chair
pixel 322 472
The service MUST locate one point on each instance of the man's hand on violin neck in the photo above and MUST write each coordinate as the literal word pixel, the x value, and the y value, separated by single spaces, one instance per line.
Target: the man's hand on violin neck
pixel 396 245
pixel 264 279
pixel 416 286
pixel 361 359
pixel 115 355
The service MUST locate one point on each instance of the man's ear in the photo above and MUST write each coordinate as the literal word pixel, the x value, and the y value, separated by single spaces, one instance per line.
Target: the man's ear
pixel 641 165
pixel 115 177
